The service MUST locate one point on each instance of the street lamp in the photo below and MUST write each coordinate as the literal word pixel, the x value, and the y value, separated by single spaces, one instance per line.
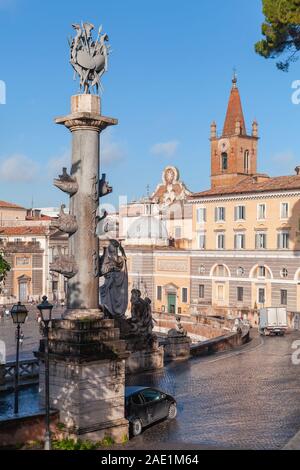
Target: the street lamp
pixel 19 314
pixel 45 309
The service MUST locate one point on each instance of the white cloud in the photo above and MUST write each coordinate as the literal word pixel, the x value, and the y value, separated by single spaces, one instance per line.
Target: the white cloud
pixel 56 164
pixel 18 168
pixel 111 151
pixel 165 149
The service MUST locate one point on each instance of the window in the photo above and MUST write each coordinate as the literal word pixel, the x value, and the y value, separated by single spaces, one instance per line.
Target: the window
pixel 136 399
pixel 261 295
pixel 151 395
pixel 221 241
pixel 148 209
pixel 220 214
pixel 18 240
pixel 283 240
pixel 201 215
pixel 240 271
pixel 240 294
pixel 22 261
pixel 201 291
pixel 240 213
pixel 261 241
pixel 54 286
pixel 284 272
pixel 261 212
pixel 201 241
pixel 224 161
pixel 177 233
pixel 184 295
pixel 261 272
pixel 239 241
pixel 220 292
pixel 246 161
pixel 159 293
pixel 283 297
pixel 34 240
pixel 201 269
pixel 284 211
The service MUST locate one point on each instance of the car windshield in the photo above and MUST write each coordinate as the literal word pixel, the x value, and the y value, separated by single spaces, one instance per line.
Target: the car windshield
pixel 151 395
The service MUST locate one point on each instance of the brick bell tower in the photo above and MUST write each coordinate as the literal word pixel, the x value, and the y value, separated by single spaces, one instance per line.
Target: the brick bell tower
pixel 234 154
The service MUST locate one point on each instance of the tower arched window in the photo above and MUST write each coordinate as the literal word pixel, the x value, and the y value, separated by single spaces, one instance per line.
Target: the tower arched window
pixel 224 161
pixel 246 161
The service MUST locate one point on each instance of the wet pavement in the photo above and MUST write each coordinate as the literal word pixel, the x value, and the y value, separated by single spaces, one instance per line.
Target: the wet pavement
pixel 30 330
pixel 249 399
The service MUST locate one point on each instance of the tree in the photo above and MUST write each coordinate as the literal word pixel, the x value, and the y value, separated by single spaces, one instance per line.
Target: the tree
pixel 4 269
pixel 281 30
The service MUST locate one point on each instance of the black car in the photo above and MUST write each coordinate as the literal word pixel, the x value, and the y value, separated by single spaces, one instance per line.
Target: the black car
pixel 146 405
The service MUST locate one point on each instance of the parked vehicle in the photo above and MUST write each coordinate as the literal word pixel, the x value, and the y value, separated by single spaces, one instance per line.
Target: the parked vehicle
pixel 272 321
pixel 146 405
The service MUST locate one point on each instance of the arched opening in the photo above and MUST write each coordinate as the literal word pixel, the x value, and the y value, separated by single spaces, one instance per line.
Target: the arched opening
pixel 224 161
pixel 246 161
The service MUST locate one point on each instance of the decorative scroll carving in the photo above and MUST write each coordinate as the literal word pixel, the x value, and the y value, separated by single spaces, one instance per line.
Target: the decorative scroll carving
pixel 65 265
pixel 66 183
pixel 66 222
pixel 104 187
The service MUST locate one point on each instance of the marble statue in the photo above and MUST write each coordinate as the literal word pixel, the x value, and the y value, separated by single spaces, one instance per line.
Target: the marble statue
pixel 114 291
pixel 141 321
pixel 89 58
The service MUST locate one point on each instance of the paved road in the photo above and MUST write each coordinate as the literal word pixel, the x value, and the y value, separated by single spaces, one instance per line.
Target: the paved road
pixel 246 399
pixel 31 334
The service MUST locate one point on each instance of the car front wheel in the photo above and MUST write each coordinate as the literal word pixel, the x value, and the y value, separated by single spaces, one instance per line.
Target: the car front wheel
pixel 136 427
pixel 172 411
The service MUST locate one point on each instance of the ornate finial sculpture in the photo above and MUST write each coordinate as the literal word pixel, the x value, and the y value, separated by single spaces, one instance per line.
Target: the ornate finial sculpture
pixel 89 58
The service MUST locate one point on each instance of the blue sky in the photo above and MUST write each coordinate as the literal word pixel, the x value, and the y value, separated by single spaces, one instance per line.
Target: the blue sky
pixel 169 77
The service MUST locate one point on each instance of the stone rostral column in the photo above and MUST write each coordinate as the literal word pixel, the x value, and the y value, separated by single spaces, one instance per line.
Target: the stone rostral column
pixel 86 355
pixel 86 123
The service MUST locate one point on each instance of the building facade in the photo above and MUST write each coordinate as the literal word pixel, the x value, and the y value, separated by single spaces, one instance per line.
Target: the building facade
pixel 241 246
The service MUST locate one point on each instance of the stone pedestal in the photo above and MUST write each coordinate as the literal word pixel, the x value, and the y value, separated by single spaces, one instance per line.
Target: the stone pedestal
pixel 145 360
pixel 87 377
pixel 177 347
pixel 144 351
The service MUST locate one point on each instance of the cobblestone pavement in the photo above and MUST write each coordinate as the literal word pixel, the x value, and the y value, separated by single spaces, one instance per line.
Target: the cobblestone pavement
pixel 30 330
pixel 245 399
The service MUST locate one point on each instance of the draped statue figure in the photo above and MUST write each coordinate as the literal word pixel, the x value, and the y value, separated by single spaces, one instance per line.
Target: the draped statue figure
pixel 114 291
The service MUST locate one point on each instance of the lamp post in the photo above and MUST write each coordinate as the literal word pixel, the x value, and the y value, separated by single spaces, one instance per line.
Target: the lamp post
pixel 45 309
pixel 19 314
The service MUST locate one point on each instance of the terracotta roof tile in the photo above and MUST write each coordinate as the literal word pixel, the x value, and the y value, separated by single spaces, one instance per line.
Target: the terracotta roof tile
pixel 23 230
pixel 234 113
pixel 10 205
pixel 249 185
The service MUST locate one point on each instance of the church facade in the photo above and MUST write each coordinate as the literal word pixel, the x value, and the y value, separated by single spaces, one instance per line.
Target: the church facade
pixel 233 248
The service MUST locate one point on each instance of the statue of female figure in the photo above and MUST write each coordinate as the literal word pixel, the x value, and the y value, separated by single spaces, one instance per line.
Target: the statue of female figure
pixel 114 291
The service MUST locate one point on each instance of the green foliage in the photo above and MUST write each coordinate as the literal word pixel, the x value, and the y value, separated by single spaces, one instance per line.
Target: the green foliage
pixel 71 444
pixel 4 268
pixel 107 441
pixel 281 30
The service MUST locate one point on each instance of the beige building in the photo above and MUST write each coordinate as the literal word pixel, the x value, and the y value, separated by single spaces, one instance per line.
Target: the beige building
pixel 28 244
pixel 237 245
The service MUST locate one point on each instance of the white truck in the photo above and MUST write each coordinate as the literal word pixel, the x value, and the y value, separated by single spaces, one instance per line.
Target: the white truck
pixel 273 321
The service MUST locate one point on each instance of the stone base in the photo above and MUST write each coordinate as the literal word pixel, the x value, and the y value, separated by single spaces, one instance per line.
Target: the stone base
pixel 144 360
pixel 87 378
pixel 177 347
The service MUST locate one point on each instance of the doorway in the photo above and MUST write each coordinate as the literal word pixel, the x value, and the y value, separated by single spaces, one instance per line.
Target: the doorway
pixel 23 292
pixel 172 303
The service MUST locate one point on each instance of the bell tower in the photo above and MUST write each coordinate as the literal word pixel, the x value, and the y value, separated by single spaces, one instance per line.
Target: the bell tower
pixel 234 153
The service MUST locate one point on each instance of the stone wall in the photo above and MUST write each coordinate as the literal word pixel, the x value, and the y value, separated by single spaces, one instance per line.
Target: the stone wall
pixel 23 430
